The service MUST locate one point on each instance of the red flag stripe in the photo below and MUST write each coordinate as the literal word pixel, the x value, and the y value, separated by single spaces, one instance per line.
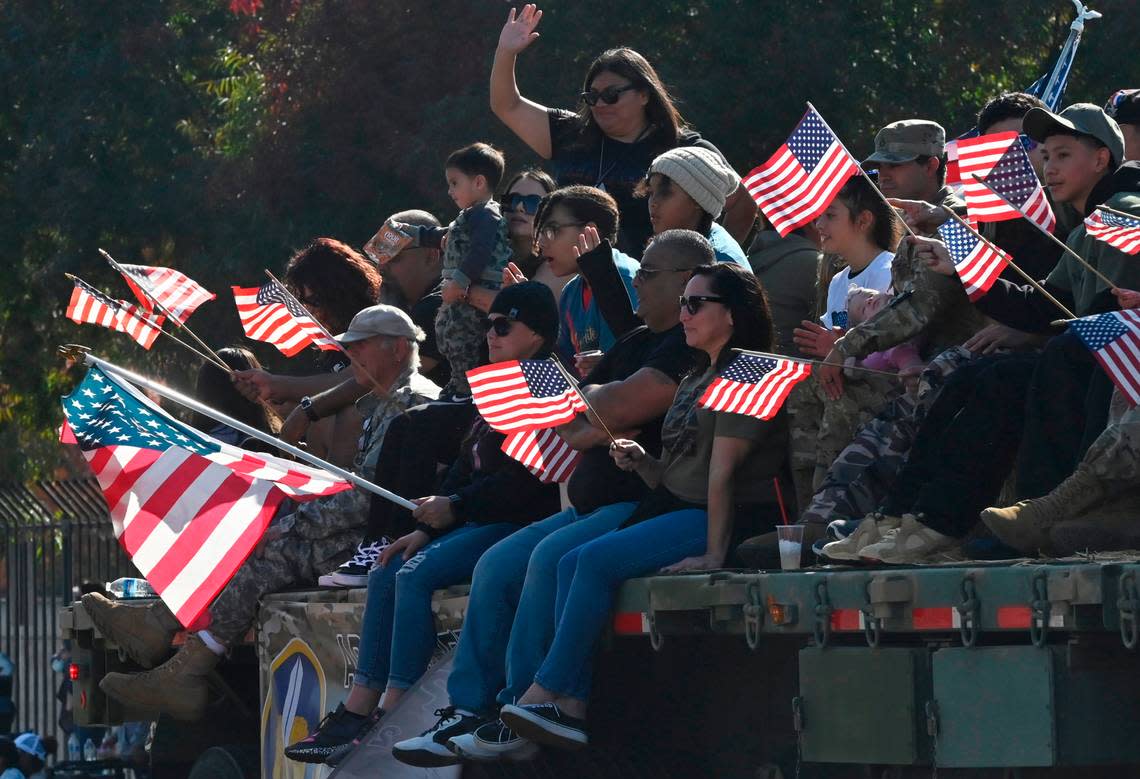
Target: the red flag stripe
pixel 167 481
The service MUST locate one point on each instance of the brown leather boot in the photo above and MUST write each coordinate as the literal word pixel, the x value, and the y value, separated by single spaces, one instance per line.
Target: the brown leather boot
pixel 179 687
pixel 144 632
pixel 1025 526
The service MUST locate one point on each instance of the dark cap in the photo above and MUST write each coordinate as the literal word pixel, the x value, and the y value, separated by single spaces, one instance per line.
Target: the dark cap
pixel 531 303
pixel 1079 118
pixel 1124 106
pixel 908 140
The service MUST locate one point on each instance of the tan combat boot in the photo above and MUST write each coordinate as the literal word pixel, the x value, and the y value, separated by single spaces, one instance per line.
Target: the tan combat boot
pixel 144 632
pixel 179 687
pixel 1025 526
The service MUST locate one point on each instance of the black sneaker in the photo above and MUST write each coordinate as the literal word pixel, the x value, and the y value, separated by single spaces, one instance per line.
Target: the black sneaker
pixel 545 723
pixel 493 740
pixel 338 727
pixel 344 750
pixel 354 573
pixel 429 749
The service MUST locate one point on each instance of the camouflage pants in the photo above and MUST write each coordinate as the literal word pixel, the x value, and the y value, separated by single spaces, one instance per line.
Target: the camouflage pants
pixel 1115 455
pixel 460 335
pixel 299 546
pixel 860 476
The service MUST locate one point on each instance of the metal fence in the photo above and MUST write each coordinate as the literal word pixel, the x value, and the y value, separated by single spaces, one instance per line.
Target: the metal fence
pixel 54 535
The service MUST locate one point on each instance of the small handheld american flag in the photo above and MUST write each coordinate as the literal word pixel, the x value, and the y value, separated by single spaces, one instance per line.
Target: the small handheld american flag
pixel 977 261
pixel 1010 189
pixel 545 454
pixel 1114 340
pixel 1122 232
pixel 799 181
pixel 269 313
pixel 90 306
pixel 524 395
pixel 754 385
pixel 179 294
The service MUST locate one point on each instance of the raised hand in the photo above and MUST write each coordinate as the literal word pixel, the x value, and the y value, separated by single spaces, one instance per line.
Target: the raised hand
pixel 588 240
pixel 518 32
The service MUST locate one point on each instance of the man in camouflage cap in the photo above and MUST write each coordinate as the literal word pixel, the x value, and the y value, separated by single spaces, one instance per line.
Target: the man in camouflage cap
pixel 910 156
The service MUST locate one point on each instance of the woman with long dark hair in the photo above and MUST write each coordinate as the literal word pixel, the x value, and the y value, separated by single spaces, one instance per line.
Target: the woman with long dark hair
pixel 214 388
pixel 625 118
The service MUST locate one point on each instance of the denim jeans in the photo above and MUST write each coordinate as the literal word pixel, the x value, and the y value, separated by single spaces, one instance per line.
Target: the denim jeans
pixel 510 612
pixel 400 593
pixel 588 580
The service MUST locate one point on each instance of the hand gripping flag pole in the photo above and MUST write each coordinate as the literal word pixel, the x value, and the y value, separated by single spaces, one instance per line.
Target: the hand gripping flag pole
pixel 578 389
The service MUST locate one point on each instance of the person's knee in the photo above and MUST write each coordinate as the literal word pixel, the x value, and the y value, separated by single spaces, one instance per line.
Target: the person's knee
pixel 498 569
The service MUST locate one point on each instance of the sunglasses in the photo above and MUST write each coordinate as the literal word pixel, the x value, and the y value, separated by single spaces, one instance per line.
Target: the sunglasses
pixel 692 303
pixel 646 274
pixel 501 325
pixel 610 95
pixel 1027 143
pixel 529 203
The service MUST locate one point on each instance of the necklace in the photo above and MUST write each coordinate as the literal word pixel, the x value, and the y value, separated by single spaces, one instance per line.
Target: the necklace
pixel 599 181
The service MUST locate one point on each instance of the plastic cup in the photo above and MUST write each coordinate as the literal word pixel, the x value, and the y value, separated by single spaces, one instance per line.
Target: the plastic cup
pixel 791 539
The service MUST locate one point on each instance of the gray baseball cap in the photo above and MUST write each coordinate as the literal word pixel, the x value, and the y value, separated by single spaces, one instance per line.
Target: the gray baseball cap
pixel 908 140
pixel 380 320
pixel 1083 118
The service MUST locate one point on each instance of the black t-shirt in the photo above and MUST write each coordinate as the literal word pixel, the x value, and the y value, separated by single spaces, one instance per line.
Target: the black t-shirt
pixel 597 482
pixel 579 158
pixel 423 313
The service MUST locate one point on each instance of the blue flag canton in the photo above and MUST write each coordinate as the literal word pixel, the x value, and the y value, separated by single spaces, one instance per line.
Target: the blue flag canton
pixel 101 414
pixel 543 378
pixel 959 240
pixel 273 293
pixel 107 301
pixel 1099 331
pixel 839 319
pixel 748 368
pixel 1118 220
pixel 1013 177
pixel 810 141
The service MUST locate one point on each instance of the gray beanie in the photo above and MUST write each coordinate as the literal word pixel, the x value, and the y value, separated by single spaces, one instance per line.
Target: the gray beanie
pixel 702 173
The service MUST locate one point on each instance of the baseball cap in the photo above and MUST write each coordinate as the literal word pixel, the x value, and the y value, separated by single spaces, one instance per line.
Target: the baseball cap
pixel 32 744
pixel 1124 106
pixel 908 140
pixel 1081 118
pixel 531 303
pixel 380 320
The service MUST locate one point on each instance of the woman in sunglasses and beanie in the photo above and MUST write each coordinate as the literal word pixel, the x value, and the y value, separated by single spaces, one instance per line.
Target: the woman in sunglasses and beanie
pixel 626 118
pixel 714 471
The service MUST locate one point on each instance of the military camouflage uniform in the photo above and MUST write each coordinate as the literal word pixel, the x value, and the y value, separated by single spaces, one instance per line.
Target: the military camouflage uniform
pixel 460 334
pixel 319 534
pixel 1114 456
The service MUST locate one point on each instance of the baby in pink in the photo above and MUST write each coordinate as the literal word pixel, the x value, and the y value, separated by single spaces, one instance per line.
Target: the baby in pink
pixel 862 304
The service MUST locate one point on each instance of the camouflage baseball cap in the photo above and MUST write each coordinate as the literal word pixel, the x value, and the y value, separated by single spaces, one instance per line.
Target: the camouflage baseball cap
pixel 907 140
pixel 1081 118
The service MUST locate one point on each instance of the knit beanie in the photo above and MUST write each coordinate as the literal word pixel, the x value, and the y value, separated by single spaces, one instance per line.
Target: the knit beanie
pixel 702 173
pixel 531 303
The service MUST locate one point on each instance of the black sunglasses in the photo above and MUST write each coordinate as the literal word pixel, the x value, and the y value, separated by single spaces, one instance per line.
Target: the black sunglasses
pixel 501 325
pixel 529 203
pixel 692 303
pixel 609 95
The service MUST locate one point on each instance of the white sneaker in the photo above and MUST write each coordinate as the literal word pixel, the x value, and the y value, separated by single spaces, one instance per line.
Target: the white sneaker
pixel 354 572
pixel 870 531
pixel 493 741
pixel 913 542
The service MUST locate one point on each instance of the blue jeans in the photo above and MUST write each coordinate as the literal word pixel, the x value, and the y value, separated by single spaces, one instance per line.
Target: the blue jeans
pixel 589 578
pixel 510 612
pixel 400 594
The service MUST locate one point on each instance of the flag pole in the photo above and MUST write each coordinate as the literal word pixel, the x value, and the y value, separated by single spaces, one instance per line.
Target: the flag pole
pixel 1049 235
pixel 589 407
pixel 874 186
pixel 1124 214
pixel 166 312
pixel 1032 281
pixel 810 361
pixel 253 432
pixel 72 277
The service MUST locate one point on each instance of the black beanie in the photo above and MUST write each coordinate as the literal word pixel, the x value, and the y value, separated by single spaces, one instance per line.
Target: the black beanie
pixel 531 303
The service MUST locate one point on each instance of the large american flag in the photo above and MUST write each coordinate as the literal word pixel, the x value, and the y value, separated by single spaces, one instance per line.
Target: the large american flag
pixel 1123 232
pixel 90 306
pixel 545 453
pixel 269 313
pixel 187 508
pixel 1114 339
pixel 754 385
pixel 524 395
pixel 1010 189
pixel 799 181
pixel 977 261
pixel 179 294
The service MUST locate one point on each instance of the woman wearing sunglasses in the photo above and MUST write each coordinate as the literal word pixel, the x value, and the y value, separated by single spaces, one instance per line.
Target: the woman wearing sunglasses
pixel 626 117
pixel 520 201
pixel 714 471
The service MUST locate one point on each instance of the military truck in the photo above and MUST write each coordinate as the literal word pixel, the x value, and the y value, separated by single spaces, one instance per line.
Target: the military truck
pixel 1023 668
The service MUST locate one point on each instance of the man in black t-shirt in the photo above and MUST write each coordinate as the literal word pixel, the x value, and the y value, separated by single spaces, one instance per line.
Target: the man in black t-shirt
pixel 505 634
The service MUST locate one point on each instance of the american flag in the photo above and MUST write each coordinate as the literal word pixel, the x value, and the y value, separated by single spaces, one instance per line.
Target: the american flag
pixel 1011 189
pixel 799 181
pixel 90 306
pixel 545 454
pixel 754 385
pixel 1123 232
pixel 269 313
pixel 188 509
pixel 1114 339
pixel 179 294
pixel 977 261
pixel 523 395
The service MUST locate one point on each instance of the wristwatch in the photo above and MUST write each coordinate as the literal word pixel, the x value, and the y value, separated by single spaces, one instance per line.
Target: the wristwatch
pixel 307 406
pixel 455 500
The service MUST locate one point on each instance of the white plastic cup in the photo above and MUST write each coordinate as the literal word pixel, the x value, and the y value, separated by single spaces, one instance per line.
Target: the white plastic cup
pixel 791 539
